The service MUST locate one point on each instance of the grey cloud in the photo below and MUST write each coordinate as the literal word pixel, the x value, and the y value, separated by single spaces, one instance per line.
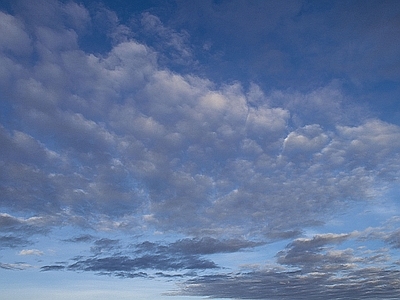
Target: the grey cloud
pixel 162 274
pixel 15 38
pixel 316 268
pixel 150 261
pixel 316 253
pixel 19 231
pixel 323 252
pixel 21 147
pixel 52 268
pixel 27 226
pixel 131 274
pixel 374 135
pixel 185 254
pixel 84 238
pixel 104 245
pixel 368 283
pixel 9 241
pixel 209 245
pixel 196 246
pixel 388 234
pixel 394 239
pixel 339 259
pixel 15 266
pixel 318 241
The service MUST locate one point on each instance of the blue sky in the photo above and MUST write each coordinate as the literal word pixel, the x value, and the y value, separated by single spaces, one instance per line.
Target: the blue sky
pixel 199 149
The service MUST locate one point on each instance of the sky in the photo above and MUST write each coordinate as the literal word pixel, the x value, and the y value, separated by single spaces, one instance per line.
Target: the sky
pixel 199 149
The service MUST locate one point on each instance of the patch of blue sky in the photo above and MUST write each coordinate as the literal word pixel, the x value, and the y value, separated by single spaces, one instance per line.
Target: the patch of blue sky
pixel 69 285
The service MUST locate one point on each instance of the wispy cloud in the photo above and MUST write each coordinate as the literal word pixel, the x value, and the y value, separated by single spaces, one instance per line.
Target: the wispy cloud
pixel 15 266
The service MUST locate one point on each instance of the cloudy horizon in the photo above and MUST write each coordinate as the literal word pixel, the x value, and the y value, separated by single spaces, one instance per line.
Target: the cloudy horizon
pixel 185 150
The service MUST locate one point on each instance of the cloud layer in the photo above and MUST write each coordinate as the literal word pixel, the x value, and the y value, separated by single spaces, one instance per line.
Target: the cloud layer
pixel 115 135
pixel 126 140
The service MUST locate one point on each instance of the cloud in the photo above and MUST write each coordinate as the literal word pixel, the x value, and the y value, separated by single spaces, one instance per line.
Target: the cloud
pixel 313 252
pixel 32 225
pixel 173 46
pixel 15 39
pixel 124 139
pixel 16 266
pixel 275 284
pixel 9 241
pixel 207 245
pixel 116 135
pixel 52 268
pixel 202 246
pixel 185 254
pixel 31 252
pixel 126 264
pixel 304 270
pixel 394 239
pixel 84 238
pixel 104 245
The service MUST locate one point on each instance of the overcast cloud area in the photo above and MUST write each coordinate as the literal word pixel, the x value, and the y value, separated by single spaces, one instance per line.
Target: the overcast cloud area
pixel 194 131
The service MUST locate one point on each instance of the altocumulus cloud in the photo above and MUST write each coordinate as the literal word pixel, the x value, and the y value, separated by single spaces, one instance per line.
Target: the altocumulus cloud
pixel 116 141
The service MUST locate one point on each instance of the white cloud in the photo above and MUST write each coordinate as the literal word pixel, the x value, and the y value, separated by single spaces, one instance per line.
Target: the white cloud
pixel 31 252
pixel 305 142
pixel 263 122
